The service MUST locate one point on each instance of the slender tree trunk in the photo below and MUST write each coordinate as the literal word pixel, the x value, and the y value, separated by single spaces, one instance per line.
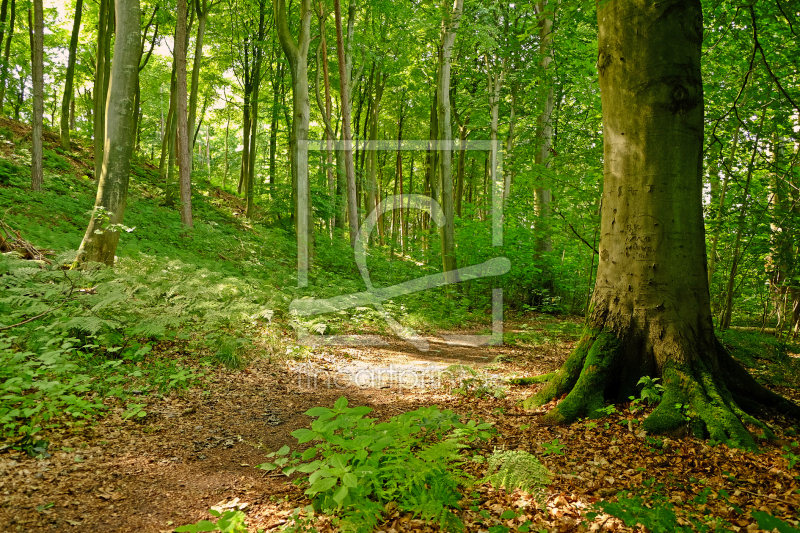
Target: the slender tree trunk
pixel 168 146
pixel 347 137
pixel 462 152
pixel 277 87
pixel 68 91
pixel 650 314
pixel 712 257
pixel 545 128
pixel 495 84
pixel 184 152
pixel 208 149
pixel 7 54
pixel 449 28
pixel 297 57
pixel 102 60
pixel 100 241
pixel 37 58
pixel 201 8
pixel 727 310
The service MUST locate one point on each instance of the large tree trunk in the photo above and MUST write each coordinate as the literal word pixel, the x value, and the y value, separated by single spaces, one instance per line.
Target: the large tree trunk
pixel 449 28
pixel 297 56
pixel 7 53
pixel 650 312
pixel 184 154
pixel 101 239
pixel 68 91
pixel 36 27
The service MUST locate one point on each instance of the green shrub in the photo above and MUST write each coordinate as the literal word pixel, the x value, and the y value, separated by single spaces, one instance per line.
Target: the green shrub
pixel 360 465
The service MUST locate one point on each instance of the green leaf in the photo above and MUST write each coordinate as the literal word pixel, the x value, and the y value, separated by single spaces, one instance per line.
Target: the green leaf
pixel 508 515
pixel 304 435
pixel 321 485
pixel 310 467
pixel 317 411
pixel 202 525
pixel 350 480
pixel 267 466
pixel 340 495
pixel 341 403
pixel 308 454
pixel 283 451
pixel 769 522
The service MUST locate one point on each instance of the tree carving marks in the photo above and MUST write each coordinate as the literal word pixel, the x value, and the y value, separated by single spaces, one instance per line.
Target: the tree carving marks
pixel 642 237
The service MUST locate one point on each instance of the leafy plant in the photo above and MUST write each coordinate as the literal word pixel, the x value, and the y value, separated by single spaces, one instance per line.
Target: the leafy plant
pixel 790 456
pixel 517 469
pixel 552 447
pixel 360 465
pixel 135 410
pixel 651 390
pixel 229 522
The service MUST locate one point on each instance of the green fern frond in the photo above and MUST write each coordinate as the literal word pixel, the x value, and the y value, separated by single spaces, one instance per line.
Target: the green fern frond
pixel 517 469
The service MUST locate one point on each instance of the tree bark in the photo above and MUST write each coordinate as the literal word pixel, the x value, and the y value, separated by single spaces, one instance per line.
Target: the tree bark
pixel 201 7
pixel 7 54
pixel 68 90
pixel 449 28
pixel 347 136
pixel 545 129
pixel 495 84
pixel 650 313
pixel 37 60
pixel 297 56
pixel 100 241
pixel 100 91
pixel 184 154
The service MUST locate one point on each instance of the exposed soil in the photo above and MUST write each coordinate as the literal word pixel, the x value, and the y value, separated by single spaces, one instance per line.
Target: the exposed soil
pixel 199 449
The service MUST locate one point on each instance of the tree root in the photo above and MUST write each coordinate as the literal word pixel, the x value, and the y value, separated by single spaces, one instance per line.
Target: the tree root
pixel 714 404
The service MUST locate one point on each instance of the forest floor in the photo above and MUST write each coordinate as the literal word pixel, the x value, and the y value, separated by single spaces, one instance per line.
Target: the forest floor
pixel 198 449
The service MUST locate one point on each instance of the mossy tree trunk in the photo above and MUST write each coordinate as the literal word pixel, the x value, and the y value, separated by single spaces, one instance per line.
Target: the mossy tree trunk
pixel 650 313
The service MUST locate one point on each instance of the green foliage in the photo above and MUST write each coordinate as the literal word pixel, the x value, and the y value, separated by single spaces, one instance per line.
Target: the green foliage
pixel 517 469
pixel 54 161
pixel 790 456
pixel 229 522
pixel 359 465
pixel 651 390
pixel 468 382
pixel 8 171
pixel 552 447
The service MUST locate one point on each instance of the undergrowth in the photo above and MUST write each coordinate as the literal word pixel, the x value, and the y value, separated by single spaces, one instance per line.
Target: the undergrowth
pixel 359 465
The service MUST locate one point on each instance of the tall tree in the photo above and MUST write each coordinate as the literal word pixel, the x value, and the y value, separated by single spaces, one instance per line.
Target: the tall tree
pixel 544 127
pixel 450 23
pixel 344 84
pixel 6 49
pixel 68 97
pixel 102 235
pixel 650 313
pixel 184 154
pixel 105 28
pixel 37 59
pixel 297 55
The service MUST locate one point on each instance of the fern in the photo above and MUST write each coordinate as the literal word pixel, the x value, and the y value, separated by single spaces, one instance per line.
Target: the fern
pixel 517 469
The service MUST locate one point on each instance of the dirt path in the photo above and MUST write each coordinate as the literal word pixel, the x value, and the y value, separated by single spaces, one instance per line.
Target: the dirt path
pixel 199 449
